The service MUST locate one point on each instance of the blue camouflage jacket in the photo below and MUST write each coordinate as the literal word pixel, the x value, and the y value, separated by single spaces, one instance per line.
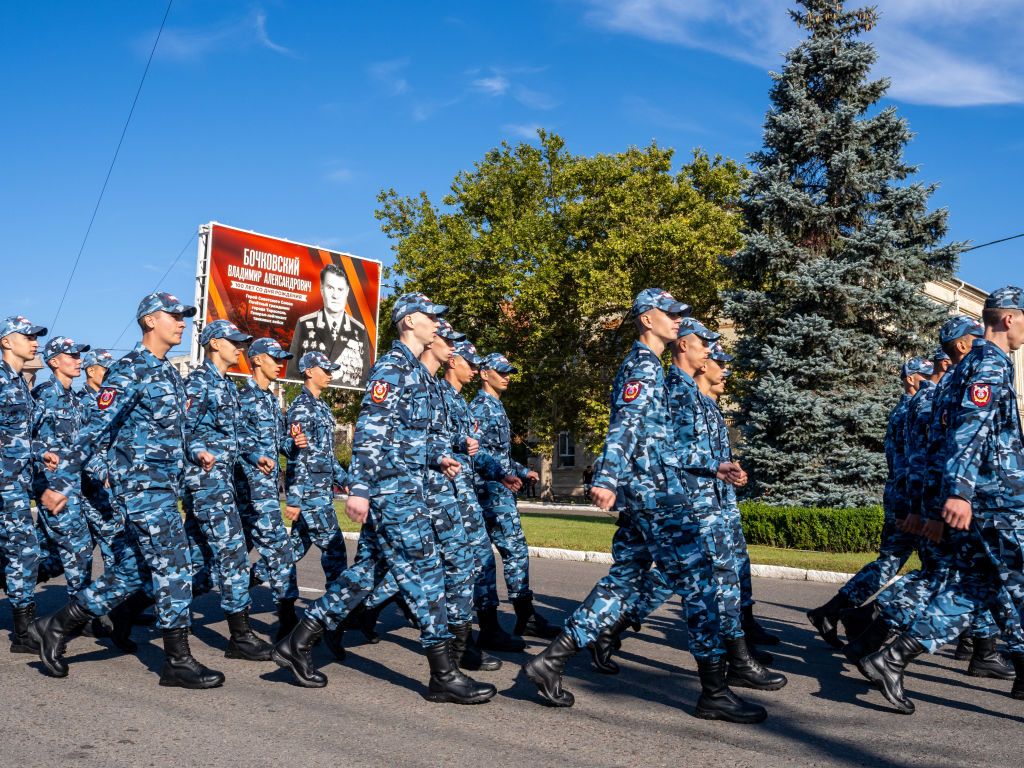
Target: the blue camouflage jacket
pixel 639 461
pixel 494 431
pixel 916 445
pixel 935 451
pixel 315 468
pixel 894 497
pixel 57 418
pixel 16 416
pixel 722 451
pixel 693 426
pixel 985 452
pixel 482 465
pixel 141 416
pixel 212 421
pixel 96 468
pixel 263 428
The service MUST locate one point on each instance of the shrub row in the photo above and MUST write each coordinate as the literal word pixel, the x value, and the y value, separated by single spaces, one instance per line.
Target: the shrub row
pixel 816 528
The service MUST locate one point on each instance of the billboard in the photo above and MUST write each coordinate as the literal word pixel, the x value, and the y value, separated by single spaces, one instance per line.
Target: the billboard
pixel 308 298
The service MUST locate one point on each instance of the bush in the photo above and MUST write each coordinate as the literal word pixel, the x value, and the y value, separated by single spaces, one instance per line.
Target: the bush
pixel 857 529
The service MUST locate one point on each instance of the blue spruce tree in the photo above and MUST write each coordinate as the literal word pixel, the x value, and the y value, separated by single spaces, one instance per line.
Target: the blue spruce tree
pixel 828 298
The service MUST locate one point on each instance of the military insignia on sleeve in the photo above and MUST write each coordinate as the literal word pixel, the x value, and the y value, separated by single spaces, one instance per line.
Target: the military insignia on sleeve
pixel 188 404
pixel 105 399
pixel 631 391
pixel 980 394
pixel 296 429
pixel 379 391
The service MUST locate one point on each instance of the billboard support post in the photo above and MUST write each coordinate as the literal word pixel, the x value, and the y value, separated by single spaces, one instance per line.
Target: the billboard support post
pixel 202 282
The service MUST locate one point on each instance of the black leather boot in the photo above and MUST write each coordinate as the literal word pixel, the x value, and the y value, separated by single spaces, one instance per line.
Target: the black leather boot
pixel 754 632
pixel 747 672
pixel 545 670
pixel 964 646
pixel 295 653
pixel 886 667
pixel 493 637
pixel 54 632
pixel 449 684
pixel 181 669
pixel 717 702
pixel 825 619
pixel 531 623
pixel 986 661
pixel 365 620
pixel 334 639
pixel 467 653
pixel 1017 659
pixel 867 642
pixel 244 644
pixel 606 643
pixel 23 638
pixel 758 655
pixel 855 621
pixel 124 616
pixel 286 618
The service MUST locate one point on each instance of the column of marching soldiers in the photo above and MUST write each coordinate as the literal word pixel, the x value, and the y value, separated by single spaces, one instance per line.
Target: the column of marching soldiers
pixel 432 483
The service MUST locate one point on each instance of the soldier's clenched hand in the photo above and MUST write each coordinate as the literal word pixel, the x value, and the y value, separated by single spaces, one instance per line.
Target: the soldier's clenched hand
pixel 54 501
pixel 472 446
pixel 957 513
pixel 450 467
pixel 50 460
pixel 206 460
pixel 357 508
pixel 266 465
pixel 602 497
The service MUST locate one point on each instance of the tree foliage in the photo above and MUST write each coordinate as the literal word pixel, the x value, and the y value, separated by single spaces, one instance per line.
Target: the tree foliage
pixel 828 300
pixel 539 253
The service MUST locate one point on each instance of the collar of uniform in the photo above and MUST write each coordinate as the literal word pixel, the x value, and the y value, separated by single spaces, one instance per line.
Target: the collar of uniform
pixel 995 348
pixel 208 363
pixel 150 358
pixel 641 347
pixel 6 369
pixel 400 346
pixel 687 378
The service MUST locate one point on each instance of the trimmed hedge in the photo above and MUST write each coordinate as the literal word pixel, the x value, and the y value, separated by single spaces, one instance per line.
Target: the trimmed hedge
pixel 820 529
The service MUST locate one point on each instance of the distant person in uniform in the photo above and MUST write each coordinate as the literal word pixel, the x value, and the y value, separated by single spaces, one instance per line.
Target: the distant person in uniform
pixel 338 335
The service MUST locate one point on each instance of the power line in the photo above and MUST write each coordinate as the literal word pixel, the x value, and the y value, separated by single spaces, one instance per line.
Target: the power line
pixel 991 242
pixel 110 169
pixel 163 277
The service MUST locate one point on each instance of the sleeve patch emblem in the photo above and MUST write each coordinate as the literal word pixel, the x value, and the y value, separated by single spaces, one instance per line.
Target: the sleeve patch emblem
pixel 379 391
pixel 980 394
pixel 188 404
pixel 631 391
pixel 105 399
pixel 296 429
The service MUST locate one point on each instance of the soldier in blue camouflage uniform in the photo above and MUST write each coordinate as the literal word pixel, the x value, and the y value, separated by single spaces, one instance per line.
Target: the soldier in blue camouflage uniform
pixel 390 460
pixel 140 420
pixel 213 441
pixel 983 492
pixel 639 472
pixel 494 431
pixel 19 550
pixel 264 431
pixel 313 472
pixel 897 545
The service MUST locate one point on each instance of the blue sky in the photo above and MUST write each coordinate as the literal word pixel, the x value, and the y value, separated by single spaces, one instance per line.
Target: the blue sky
pixel 288 118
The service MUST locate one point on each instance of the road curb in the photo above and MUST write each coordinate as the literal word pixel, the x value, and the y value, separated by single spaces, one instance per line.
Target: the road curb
pixel 605 558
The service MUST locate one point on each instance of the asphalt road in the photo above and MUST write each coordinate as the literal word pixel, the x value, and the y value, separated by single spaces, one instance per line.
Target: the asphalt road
pixel 111 712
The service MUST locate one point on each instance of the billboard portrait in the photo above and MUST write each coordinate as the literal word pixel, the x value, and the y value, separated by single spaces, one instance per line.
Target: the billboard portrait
pixel 305 297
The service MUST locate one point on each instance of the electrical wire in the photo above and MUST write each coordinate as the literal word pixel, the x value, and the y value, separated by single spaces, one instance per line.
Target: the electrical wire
pixel 991 242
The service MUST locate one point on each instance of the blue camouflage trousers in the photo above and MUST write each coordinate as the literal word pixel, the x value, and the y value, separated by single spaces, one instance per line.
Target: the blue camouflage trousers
pixel 68 532
pixel 397 537
pixel 738 547
pixel 318 524
pixel 990 562
pixel 670 538
pixel 259 508
pixel 152 546
pixel 457 557
pixel 18 545
pixel 105 522
pixel 895 550
pixel 501 518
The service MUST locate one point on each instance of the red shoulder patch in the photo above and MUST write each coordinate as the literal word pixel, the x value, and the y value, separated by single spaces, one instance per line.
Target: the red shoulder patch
pixel 188 404
pixel 980 394
pixel 105 399
pixel 296 429
pixel 379 391
pixel 631 391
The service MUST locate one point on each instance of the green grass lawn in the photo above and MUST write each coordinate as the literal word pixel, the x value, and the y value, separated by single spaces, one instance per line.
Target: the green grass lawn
pixel 594 534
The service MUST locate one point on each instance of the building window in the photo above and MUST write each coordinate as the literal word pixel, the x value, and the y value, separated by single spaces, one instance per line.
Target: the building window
pixel 566 450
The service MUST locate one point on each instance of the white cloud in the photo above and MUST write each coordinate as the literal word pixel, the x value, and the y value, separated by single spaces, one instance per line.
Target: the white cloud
pixel 192 44
pixel 495 85
pixel 528 131
pixel 943 52
pixel 390 75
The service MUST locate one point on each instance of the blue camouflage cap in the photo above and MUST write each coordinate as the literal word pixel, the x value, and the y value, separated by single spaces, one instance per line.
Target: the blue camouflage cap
pixel 918 365
pixel 958 326
pixel 719 355
pixel 268 346
pixel 1009 297
pixel 408 303
pixel 656 298
pixel 445 331
pixel 691 325
pixel 222 329
pixel 20 324
pixel 939 355
pixel 59 345
pixel 498 362
pixel 316 360
pixel 163 302
pixel 97 357
pixel 465 349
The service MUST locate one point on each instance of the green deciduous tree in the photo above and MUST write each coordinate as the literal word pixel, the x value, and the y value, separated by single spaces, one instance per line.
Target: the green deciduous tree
pixel 539 253
pixel 840 243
